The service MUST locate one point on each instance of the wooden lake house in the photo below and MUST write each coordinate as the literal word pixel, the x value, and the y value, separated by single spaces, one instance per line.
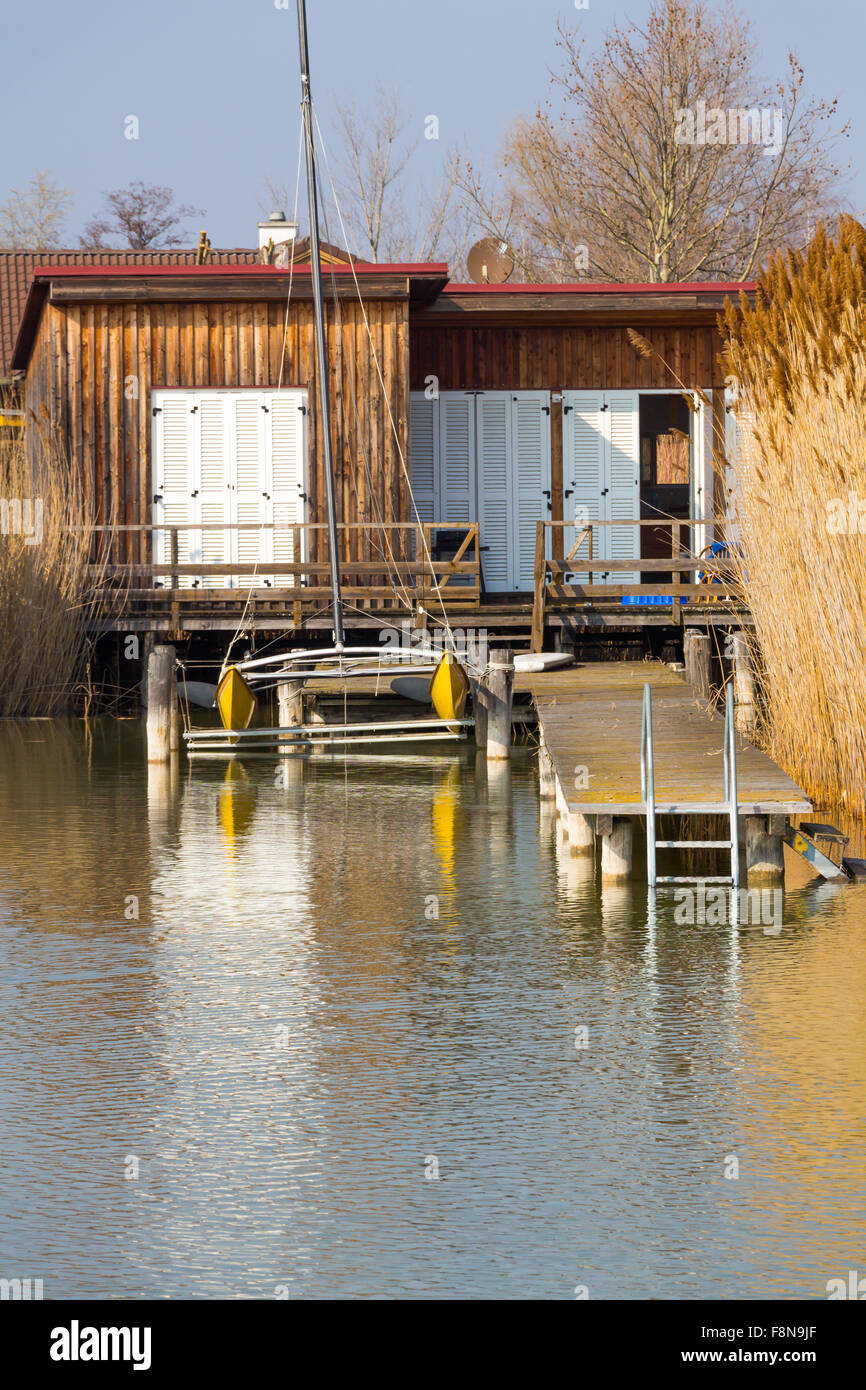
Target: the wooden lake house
pixel 559 474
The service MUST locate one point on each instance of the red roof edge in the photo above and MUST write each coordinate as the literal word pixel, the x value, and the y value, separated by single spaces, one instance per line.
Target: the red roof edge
pixel 608 287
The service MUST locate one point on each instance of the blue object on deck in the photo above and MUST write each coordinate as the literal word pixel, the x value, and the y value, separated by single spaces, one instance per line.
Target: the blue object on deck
pixel 648 600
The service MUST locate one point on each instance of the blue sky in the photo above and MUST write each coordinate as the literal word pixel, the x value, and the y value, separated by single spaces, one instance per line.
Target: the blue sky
pixel 214 84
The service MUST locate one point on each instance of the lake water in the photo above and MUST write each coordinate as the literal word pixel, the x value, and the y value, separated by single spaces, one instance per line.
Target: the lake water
pixel 315 1034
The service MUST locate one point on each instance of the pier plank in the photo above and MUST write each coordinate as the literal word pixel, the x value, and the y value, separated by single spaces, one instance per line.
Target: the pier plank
pixel 590 717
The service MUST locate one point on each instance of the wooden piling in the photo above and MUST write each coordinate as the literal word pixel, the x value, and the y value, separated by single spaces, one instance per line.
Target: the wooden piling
pixel 546 775
pixel 581 835
pixel 765 855
pixel 698 655
pixel 290 704
pixel 616 851
pixel 161 693
pixel 744 686
pixel 174 719
pixel 498 695
pixel 479 711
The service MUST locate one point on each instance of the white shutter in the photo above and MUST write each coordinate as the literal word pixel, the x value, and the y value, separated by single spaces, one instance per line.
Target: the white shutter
pixel 248 485
pixel 213 469
pixel 173 473
pixel 424 454
pixel 703 474
pixel 623 497
pixel 584 454
pixel 457 447
pixel 494 453
pixel 287 482
pixel 530 416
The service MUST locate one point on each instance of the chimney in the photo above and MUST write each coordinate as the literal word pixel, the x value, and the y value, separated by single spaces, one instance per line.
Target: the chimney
pixel 276 231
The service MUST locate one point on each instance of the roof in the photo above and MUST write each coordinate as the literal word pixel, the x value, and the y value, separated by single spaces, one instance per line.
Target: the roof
pixel 17 269
pixel 583 302
pixel 153 275
pixel 153 280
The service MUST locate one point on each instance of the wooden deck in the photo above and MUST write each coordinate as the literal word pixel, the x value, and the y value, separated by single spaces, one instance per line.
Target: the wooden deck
pixel 590 717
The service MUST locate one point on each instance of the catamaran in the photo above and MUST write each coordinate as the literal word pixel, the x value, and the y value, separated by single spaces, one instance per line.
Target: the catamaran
pixel 241 683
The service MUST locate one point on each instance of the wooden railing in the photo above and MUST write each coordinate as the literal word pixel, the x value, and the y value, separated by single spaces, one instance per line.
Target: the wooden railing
pixel 402 566
pixel 719 581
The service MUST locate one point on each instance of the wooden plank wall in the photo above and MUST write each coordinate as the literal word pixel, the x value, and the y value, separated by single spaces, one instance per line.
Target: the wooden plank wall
pixel 559 357
pixel 94 365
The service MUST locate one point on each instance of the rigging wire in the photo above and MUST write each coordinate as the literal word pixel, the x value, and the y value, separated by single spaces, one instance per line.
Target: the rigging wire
pixel 243 618
pixel 400 454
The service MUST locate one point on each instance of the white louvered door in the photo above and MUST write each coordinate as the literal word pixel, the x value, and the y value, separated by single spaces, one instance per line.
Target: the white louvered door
pixel 703 472
pixel 223 457
pixel 286 482
pixel 530 472
pixel 248 488
pixel 485 456
pixel 495 469
pixel 622 419
pixel 457 451
pixel 424 454
pixel 173 477
pixel 584 467
pixel 213 502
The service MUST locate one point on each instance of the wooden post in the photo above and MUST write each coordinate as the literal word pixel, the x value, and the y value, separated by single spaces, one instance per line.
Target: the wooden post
pixel 540 576
pixel 174 719
pixel 765 856
pixel 173 555
pixel 498 693
pixel 161 689
pixel 698 653
pixel 546 775
pixel 479 710
pixel 145 648
pixel 676 574
pixel 581 836
pixel 290 704
pixel 744 687
pixel 616 851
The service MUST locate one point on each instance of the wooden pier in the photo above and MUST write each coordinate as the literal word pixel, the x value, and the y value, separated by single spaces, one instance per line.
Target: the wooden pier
pixel 589 721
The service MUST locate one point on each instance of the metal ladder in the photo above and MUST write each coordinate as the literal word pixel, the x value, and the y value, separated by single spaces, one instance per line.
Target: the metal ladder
pixel 726 807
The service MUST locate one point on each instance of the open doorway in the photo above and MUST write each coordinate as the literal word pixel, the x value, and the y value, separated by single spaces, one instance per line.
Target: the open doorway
pixel 666 453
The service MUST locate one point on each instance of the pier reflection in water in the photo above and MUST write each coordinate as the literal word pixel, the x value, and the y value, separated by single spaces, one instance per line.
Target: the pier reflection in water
pixel 283 990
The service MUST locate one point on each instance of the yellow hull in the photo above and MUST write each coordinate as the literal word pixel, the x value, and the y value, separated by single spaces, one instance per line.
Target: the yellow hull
pixel 449 688
pixel 234 700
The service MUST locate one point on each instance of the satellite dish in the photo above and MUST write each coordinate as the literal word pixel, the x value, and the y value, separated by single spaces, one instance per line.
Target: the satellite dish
pixel 490 261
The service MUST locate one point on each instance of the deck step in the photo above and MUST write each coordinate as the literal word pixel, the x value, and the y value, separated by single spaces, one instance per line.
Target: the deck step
pixel 818 830
pixel 693 844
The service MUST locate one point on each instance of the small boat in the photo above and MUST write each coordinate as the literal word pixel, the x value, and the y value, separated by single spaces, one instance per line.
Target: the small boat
pixel 449 688
pixel 235 700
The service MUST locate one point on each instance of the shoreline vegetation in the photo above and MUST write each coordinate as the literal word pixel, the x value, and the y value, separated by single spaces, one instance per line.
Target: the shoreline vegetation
pixel 796 367
pixel 795 372
pixel 47 593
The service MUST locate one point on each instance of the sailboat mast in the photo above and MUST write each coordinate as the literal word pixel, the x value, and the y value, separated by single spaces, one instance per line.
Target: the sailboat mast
pixel 319 318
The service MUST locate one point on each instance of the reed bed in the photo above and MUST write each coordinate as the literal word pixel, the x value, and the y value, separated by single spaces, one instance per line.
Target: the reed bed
pixel 797 361
pixel 46 593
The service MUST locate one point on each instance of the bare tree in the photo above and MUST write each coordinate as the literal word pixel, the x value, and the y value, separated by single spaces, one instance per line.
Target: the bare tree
pixel 34 219
pixel 140 216
pixel 370 184
pixel 663 157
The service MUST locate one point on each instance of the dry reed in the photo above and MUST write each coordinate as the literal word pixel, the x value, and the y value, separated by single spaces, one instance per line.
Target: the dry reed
pixel 798 363
pixel 46 594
